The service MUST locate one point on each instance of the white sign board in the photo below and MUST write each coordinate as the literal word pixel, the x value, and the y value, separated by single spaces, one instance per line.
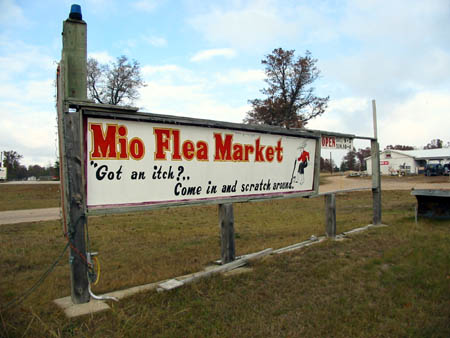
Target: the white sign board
pixel 334 142
pixel 130 163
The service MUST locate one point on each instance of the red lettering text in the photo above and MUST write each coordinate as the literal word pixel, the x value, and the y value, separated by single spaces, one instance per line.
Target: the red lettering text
pixel 112 143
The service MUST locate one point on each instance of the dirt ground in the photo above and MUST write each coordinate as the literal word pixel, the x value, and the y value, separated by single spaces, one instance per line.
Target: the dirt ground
pixel 339 182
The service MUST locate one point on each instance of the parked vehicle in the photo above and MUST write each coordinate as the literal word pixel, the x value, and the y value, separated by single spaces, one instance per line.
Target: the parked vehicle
pixel 434 169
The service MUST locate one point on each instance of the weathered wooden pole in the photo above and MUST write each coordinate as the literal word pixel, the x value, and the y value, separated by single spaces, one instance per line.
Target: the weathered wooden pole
pixel 318 151
pixel 330 215
pixel 376 172
pixel 72 86
pixel 226 223
pixel 331 164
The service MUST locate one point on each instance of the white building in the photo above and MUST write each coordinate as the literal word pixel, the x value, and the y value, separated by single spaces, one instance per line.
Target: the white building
pixel 408 161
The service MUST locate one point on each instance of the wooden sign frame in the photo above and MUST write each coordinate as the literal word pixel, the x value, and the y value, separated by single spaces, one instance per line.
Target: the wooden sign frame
pixel 115 115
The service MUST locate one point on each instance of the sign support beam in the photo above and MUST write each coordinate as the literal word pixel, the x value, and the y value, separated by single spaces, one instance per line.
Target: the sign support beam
pixel 226 223
pixel 330 215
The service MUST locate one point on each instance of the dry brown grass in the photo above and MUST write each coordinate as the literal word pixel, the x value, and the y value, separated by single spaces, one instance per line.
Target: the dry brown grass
pixel 385 282
pixel 28 196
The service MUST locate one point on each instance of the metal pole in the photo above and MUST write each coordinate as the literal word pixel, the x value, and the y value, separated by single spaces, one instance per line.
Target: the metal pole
pixel 374 111
pixel 72 85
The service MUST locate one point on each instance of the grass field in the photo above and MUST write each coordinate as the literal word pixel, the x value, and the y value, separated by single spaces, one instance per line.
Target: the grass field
pixel 386 282
pixel 28 196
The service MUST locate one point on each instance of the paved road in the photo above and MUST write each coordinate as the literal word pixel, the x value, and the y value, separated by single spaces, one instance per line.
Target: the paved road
pixel 30 215
pixel 31 182
pixel 334 183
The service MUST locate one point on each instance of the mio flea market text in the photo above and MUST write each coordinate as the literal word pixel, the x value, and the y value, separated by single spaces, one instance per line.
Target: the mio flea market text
pixel 113 143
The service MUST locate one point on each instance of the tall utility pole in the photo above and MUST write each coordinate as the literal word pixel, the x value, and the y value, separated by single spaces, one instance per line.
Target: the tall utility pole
pixel 72 86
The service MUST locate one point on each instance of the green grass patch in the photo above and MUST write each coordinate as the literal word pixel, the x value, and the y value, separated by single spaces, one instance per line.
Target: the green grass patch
pixel 389 282
pixel 29 196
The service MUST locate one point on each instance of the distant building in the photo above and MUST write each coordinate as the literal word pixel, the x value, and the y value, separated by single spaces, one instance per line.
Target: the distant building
pixel 392 162
pixel 3 173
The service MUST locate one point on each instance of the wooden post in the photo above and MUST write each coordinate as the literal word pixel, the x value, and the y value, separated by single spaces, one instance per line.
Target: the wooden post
pixel 72 84
pixel 331 164
pixel 330 215
pixel 226 223
pixel 376 172
pixel 376 182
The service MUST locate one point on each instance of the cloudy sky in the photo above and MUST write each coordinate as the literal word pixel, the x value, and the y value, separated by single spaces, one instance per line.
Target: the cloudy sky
pixel 203 59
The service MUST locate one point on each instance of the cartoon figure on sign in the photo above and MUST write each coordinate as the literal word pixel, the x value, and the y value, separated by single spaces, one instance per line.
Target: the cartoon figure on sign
pixel 302 161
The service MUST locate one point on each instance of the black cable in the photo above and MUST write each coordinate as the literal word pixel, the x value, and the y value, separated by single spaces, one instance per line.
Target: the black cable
pixel 22 297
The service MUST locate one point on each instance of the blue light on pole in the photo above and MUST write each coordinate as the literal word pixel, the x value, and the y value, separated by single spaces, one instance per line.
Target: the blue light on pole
pixel 75 12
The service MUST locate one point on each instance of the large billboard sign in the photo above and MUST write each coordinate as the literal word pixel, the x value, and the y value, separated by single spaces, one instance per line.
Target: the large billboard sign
pixel 135 163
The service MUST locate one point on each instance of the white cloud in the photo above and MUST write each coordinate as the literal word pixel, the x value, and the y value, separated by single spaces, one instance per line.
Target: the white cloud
pixel 18 58
pixel 29 130
pixel 27 102
pixel 155 41
pixel 150 70
pixel 391 49
pixel 372 73
pixel 414 121
pixel 11 14
pixel 253 24
pixel 412 23
pixel 102 57
pixel 171 74
pixel 350 115
pixel 417 121
pixel 146 5
pixel 208 54
pixel 187 100
pixel 29 92
pixel 240 76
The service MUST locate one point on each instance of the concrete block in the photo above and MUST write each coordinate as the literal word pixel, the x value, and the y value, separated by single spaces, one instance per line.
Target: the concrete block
pixel 75 310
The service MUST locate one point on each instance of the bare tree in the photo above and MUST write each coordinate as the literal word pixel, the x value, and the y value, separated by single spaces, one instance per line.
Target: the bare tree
pixel 290 100
pixel 116 83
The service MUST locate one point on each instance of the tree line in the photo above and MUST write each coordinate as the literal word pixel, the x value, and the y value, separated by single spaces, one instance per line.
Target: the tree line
pixel 18 172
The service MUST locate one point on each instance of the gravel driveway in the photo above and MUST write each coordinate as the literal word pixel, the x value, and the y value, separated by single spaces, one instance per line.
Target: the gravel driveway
pixel 339 182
